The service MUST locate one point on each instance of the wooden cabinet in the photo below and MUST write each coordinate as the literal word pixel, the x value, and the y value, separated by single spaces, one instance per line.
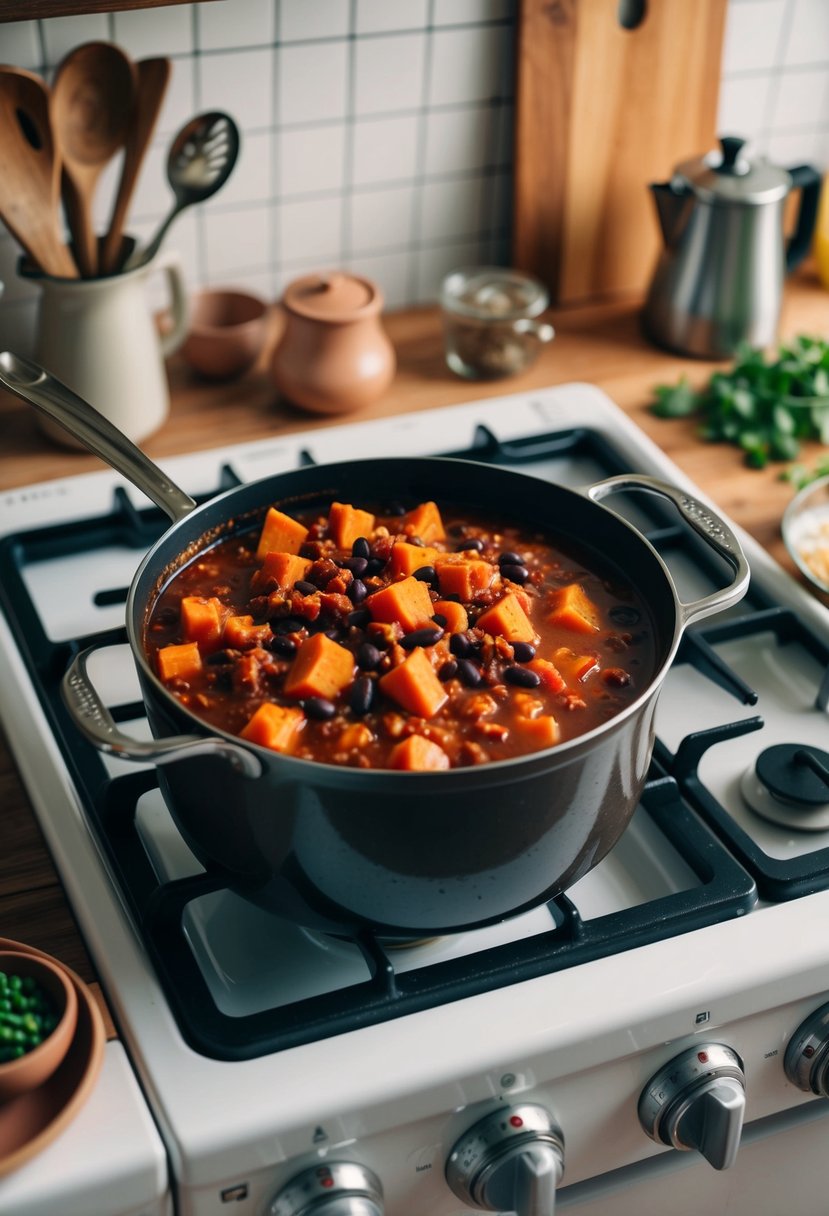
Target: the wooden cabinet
pixel 30 10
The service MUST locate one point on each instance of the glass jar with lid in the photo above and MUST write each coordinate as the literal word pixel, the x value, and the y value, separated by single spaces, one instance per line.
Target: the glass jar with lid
pixel 490 321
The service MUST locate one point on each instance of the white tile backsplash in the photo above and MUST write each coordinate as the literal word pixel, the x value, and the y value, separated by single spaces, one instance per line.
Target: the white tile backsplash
pixel 378 134
pixel 753 34
pixel 224 24
pixel 311 82
pixel 389 73
pixel 385 149
pixel 164 31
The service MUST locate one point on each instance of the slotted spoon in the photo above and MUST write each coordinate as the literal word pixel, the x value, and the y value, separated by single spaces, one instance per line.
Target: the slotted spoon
pixel 199 163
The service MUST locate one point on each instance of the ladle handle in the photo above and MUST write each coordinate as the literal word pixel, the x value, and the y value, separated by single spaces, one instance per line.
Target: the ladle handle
pixel 52 397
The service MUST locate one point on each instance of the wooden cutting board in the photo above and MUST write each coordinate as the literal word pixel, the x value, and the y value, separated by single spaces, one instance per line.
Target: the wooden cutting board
pixel 601 111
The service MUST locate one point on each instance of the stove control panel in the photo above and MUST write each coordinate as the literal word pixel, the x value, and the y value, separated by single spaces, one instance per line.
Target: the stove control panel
pixel 509 1161
pixel 807 1055
pixel 338 1188
pixel 697 1101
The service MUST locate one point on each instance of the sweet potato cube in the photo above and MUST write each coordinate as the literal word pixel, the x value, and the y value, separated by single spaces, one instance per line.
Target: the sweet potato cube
pixel 407 602
pixel 417 753
pixel 414 686
pixel 457 618
pixel 573 609
pixel 275 726
pixel 322 668
pixel 240 632
pixel 425 521
pixel 202 620
pixel 280 534
pixel 544 730
pixel 285 568
pixel 406 558
pixel 347 523
pixel 508 619
pixel 463 576
pixel 179 662
pixel 551 677
pixel 575 667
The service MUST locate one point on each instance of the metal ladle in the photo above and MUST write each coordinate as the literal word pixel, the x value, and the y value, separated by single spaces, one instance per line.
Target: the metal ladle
pixel 199 163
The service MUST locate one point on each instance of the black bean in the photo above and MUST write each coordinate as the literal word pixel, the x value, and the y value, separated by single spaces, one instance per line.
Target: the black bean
pixel 624 614
pixel 468 672
pixel 523 677
pixel 422 637
pixel 516 574
pixel 396 508
pixel 448 669
pixel 362 695
pixel 374 566
pixel 319 707
pixel 334 634
pixel 361 548
pixel 357 565
pixel 305 588
pixel 368 656
pixel 284 646
pixel 439 619
pixel 357 591
pixel 426 574
pixel 287 624
pixel 359 618
pixel 471 542
pixel 510 558
pixel 220 658
pixel 523 651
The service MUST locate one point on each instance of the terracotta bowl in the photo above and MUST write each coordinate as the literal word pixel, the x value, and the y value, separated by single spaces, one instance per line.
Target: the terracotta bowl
pixel 36 1066
pixel 227 333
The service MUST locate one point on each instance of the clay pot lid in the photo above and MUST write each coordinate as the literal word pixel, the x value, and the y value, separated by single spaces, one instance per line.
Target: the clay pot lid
pixel 336 298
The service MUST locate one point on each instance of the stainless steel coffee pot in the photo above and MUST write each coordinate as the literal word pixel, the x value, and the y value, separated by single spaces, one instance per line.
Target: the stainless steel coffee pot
pixel 719 279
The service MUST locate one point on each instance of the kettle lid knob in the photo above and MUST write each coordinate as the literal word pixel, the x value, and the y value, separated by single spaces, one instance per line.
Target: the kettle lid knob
pixel 731 146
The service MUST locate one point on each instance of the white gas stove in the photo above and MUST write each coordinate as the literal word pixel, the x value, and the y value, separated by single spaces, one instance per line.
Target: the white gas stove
pixel 666 992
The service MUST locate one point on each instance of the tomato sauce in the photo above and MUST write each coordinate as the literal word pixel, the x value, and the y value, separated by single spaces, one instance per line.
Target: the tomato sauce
pixel 428 638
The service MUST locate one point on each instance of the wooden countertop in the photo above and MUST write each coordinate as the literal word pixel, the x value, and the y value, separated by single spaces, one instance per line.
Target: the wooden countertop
pixel 601 344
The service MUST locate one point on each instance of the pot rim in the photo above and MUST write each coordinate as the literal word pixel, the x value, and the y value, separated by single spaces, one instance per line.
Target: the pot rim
pixel 506 769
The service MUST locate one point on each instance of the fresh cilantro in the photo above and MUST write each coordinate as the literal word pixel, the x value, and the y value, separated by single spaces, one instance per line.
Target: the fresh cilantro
pixel 767 408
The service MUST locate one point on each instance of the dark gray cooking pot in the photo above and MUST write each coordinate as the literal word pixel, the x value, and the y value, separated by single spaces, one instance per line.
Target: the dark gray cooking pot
pixel 403 854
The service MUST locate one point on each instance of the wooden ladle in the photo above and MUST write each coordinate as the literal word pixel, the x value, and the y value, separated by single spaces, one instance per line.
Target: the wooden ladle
pixel 92 103
pixel 152 78
pixel 30 178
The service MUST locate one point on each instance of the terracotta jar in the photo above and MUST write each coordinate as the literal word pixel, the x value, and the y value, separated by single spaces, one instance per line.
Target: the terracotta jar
pixel 334 355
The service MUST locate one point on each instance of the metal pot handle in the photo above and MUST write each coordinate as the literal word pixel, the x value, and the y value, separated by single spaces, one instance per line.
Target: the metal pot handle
pixel 93 718
pixel 706 523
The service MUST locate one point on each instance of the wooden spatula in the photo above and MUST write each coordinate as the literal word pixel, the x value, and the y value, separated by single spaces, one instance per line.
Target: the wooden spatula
pixel 152 78
pixel 30 178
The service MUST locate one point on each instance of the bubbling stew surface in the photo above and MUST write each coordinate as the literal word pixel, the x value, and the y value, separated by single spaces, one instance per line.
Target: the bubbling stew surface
pixel 429 638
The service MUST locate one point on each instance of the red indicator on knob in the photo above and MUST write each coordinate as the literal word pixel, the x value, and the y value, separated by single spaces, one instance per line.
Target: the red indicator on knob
pixel 327 1181
pixel 516 1121
pixel 808 1052
pixel 702 1056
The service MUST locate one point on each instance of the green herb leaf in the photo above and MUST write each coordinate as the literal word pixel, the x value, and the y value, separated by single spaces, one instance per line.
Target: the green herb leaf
pixel 765 408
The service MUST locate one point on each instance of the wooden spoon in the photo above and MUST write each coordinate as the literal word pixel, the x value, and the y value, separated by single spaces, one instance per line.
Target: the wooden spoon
pixel 152 78
pixel 92 102
pixel 30 178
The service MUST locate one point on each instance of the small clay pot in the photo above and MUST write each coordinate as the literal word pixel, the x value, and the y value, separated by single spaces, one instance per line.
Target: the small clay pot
pixel 226 333
pixel 334 355
pixel 36 1066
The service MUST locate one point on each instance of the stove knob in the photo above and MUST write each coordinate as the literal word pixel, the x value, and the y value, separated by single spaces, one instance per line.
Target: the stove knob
pixel 510 1161
pixel 807 1055
pixel 338 1188
pixel 697 1101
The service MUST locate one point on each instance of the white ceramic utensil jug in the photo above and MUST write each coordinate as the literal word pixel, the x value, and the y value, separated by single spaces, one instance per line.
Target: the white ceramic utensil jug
pixel 100 337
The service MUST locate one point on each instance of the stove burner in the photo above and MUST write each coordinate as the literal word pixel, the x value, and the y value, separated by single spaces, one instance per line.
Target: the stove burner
pixel 789 786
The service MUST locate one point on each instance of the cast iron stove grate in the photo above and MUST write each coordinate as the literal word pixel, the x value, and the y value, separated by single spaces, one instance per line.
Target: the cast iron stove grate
pixel 724 887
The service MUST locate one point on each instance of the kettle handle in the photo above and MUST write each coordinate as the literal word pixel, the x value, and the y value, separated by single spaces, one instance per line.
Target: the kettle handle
pixel 808 180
